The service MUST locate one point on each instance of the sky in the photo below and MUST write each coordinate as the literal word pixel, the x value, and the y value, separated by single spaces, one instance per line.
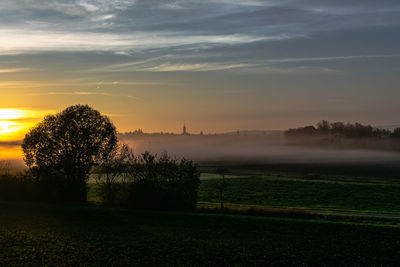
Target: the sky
pixel 216 65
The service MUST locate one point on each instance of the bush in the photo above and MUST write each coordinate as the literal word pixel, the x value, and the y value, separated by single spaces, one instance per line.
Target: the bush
pixel 52 187
pixel 55 186
pixel 112 187
pixel 155 182
pixel 164 183
pixel 18 187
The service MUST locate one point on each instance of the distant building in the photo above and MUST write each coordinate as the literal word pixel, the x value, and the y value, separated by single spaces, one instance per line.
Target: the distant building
pixel 184 132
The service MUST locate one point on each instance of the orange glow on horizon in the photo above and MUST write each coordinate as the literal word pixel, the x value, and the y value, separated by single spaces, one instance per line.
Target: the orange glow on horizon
pixel 11 153
pixel 14 123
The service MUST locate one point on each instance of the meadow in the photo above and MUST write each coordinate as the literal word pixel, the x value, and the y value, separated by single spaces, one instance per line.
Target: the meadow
pixel 33 234
pixel 311 192
pixel 313 187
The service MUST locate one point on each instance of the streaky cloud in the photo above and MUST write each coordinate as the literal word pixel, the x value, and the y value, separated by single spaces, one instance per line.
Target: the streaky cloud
pixel 12 70
pixel 90 93
pixel 41 41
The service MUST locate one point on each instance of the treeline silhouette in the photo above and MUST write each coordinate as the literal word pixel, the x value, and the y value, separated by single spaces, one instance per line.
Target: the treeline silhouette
pixel 63 151
pixel 148 181
pixel 342 130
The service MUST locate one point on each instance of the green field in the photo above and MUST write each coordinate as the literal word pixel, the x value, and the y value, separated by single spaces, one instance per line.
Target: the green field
pixel 41 234
pixel 304 193
pixel 33 234
pixel 306 187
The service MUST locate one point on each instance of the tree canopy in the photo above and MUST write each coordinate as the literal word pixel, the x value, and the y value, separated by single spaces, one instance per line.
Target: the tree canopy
pixel 67 145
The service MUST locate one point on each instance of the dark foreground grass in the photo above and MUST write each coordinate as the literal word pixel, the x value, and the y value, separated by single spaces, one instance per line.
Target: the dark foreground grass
pixel 318 194
pixel 39 234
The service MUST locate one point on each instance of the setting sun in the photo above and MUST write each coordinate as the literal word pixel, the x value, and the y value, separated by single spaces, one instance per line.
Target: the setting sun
pixel 4 125
pixel 15 122
pixel 11 114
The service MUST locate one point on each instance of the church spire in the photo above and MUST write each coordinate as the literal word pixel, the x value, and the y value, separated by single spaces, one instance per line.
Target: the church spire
pixel 184 132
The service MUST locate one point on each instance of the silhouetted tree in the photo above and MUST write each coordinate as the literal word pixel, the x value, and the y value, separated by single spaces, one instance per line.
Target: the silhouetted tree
pixel 323 127
pixel 110 169
pixel 338 130
pixel 222 184
pixel 303 131
pixel 396 133
pixel 61 150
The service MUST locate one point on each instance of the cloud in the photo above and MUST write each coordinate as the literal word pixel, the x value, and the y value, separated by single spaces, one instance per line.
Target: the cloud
pixel 10 143
pixel 88 93
pixel 191 36
pixel 299 70
pixel 14 41
pixel 79 84
pixel 123 25
pixel 103 17
pixel 334 58
pixel 188 67
pixel 182 63
pixel 246 2
pixel 79 93
pixel 11 70
pixel 240 68
pixel 88 6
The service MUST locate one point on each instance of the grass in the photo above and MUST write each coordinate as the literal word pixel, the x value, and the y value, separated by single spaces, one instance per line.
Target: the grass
pixel 263 185
pixel 325 186
pixel 33 234
pixel 304 193
pixel 41 234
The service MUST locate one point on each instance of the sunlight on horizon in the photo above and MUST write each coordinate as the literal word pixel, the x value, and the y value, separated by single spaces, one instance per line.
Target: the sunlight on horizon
pixel 14 123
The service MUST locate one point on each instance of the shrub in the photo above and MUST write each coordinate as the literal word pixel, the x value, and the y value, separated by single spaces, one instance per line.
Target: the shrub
pixel 164 182
pixel 112 187
pixel 18 187
pixel 155 182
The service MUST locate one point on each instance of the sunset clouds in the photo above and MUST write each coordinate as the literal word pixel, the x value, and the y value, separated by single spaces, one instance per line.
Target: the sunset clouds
pixel 201 61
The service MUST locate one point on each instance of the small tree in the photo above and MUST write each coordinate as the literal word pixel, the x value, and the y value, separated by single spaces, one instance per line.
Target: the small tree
pixel 110 169
pixel 62 149
pixel 222 184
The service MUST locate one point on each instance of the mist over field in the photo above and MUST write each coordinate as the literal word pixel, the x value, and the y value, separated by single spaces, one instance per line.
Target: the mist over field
pixel 11 151
pixel 270 147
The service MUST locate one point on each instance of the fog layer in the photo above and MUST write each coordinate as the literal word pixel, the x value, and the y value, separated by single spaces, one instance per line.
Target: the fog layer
pixel 269 147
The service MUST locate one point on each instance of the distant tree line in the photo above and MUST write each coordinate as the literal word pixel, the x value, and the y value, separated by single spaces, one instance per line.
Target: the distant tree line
pixel 342 130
